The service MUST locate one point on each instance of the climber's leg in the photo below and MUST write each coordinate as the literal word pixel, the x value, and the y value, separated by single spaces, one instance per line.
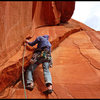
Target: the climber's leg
pixel 29 76
pixel 47 77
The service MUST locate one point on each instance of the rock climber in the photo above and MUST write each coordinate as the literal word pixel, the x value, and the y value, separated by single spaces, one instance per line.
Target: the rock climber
pixel 41 55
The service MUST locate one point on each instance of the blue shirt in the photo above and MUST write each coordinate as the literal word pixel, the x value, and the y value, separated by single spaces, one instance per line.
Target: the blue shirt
pixel 42 41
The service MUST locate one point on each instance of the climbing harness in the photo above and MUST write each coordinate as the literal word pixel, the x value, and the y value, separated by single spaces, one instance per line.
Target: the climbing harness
pixel 40 54
pixel 23 71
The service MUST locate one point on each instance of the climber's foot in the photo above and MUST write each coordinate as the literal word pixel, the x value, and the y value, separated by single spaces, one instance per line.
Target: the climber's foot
pixel 30 86
pixel 49 89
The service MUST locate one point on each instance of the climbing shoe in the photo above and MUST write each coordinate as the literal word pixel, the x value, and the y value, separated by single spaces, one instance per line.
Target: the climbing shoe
pixel 30 86
pixel 48 91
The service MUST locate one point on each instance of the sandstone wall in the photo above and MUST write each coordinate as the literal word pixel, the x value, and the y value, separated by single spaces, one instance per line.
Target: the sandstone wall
pixel 19 19
pixel 76 61
pixel 16 20
pixel 76 65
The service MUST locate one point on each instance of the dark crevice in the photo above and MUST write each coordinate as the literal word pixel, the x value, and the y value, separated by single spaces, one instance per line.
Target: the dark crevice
pixel 33 8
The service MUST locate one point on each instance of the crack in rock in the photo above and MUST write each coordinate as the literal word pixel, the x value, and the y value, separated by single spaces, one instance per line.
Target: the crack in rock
pixel 69 93
pixel 85 56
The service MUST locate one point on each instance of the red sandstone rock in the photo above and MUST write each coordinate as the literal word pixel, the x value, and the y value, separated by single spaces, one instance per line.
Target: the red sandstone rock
pixel 18 18
pixel 77 66
pixel 76 59
pixel 66 8
pixel 18 21
pixel 15 22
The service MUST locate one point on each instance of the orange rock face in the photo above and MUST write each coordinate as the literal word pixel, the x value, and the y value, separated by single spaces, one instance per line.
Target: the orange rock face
pixel 75 72
pixel 14 25
pixel 18 21
pixel 76 59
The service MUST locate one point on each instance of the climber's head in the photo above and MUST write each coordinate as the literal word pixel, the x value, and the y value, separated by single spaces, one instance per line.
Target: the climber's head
pixel 46 36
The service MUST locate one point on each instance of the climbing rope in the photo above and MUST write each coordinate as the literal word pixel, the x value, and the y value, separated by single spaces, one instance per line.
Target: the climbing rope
pixel 23 71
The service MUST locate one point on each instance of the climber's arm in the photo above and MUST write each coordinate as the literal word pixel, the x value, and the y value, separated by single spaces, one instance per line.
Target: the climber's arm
pixel 34 42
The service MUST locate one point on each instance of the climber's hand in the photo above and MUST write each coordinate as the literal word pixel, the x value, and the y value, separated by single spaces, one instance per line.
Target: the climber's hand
pixel 26 41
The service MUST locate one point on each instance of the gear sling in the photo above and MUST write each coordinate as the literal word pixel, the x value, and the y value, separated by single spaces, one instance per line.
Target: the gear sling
pixel 42 53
